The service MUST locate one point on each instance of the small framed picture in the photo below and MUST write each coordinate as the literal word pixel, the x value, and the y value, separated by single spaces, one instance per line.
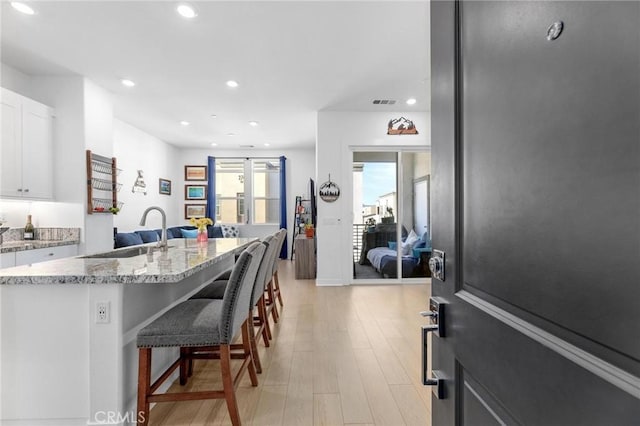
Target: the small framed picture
pixel 195 210
pixel 195 192
pixel 165 186
pixel 195 172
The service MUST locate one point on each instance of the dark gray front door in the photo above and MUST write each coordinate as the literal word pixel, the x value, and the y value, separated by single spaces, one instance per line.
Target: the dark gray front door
pixel 536 186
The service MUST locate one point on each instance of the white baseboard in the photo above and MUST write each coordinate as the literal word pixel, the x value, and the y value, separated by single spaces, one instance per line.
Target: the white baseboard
pixel 329 283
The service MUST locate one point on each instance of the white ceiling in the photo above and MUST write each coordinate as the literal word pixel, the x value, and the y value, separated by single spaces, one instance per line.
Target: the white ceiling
pixel 291 58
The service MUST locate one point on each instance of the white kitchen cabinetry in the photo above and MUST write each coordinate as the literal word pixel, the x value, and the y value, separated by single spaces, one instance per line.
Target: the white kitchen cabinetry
pixel 26 148
pixel 28 257
pixel 7 260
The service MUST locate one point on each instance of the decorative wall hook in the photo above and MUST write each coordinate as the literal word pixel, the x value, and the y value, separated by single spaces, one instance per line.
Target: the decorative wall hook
pixel 139 185
pixel 329 191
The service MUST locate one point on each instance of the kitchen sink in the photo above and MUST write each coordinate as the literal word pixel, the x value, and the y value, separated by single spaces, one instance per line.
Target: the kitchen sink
pixel 119 254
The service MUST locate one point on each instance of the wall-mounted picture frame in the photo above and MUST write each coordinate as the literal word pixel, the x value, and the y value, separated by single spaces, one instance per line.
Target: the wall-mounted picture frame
pixel 195 210
pixel 195 172
pixel 164 186
pixel 195 192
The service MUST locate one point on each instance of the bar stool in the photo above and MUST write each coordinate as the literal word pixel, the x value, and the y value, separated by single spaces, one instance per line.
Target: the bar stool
pixel 203 324
pixel 273 288
pixel 216 290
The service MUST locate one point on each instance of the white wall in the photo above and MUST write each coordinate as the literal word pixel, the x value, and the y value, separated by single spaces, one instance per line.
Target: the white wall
pixel 134 150
pixel 300 168
pixel 339 133
pixel 16 81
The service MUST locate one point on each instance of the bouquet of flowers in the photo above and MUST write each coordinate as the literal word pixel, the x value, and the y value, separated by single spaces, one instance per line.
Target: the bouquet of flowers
pixel 201 223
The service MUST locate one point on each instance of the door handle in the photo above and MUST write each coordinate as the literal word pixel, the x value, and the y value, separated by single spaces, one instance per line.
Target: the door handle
pixel 435 381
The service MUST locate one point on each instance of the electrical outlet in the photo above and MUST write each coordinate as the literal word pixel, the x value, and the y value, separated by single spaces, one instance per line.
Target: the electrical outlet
pixel 102 313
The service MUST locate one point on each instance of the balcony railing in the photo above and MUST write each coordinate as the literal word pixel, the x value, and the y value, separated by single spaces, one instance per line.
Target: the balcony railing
pixel 358 230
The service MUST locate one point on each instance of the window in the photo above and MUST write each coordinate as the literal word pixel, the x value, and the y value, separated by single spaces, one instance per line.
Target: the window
pixel 266 191
pixel 248 190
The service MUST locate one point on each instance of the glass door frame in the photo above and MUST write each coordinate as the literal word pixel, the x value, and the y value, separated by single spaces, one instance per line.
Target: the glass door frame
pixel 399 150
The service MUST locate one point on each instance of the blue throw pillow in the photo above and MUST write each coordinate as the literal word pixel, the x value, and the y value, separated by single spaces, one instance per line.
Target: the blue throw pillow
pixel 169 234
pixel 214 232
pixel 148 236
pixel 189 233
pixel 393 245
pixel 125 239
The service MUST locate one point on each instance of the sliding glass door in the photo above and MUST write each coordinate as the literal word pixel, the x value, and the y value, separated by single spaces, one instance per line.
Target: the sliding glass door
pixel 390 215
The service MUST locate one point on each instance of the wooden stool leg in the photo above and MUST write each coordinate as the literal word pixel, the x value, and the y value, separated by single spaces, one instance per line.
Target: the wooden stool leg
pixel 227 382
pixel 246 343
pixel 266 329
pixel 184 365
pixel 272 301
pixel 277 288
pixel 144 385
pixel 254 344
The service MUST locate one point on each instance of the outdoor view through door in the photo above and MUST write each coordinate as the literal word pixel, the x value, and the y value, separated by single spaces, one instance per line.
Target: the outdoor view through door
pixel 391 215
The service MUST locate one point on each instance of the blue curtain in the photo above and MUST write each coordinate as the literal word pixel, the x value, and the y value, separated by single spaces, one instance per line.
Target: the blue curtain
pixel 283 203
pixel 211 188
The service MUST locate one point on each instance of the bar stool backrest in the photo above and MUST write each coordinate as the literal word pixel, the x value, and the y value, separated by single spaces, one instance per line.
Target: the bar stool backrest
pixel 238 292
pixel 264 271
pixel 280 235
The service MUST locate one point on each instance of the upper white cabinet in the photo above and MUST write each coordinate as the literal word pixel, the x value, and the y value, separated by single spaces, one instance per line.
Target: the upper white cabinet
pixel 26 158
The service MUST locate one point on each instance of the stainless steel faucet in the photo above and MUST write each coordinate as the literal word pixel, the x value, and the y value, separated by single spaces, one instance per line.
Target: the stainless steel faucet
pixel 162 244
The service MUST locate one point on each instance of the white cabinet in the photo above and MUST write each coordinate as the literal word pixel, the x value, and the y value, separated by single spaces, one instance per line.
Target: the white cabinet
pixel 7 260
pixel 26 148
pixel 28 257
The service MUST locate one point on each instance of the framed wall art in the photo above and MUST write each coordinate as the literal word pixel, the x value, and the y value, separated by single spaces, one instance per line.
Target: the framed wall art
pixel 195 192
pixel 195 210
pixel 164 186
pixel 195 172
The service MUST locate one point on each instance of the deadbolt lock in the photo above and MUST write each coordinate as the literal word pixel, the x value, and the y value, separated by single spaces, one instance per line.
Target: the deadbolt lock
pixel 436 264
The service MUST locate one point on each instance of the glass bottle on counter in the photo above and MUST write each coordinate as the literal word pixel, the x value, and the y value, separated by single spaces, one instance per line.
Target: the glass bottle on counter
pixel 29 232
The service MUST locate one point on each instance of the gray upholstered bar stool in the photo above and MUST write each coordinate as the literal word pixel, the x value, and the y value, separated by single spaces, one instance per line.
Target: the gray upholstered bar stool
pixel 216 289
pixel 207 325
pixel 273 287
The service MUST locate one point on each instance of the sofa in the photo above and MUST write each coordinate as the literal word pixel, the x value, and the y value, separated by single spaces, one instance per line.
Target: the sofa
pixel 125 239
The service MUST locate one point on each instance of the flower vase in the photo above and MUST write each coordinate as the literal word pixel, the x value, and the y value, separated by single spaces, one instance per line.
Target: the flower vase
pixel 202 236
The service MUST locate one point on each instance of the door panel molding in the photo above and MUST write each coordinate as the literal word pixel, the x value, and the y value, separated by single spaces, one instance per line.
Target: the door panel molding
pixel 487 401
pixel 599 367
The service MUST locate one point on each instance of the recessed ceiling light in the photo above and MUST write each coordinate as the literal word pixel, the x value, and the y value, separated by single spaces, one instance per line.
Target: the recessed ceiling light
pixel 253 123
pixel 411 101
pixel 128 83
pixel 232 83
pixel 214 144
pixel 24 8
pixel 214 116
pixel 185 123
pixel 186 11
pixel 231 134
pixel 267 144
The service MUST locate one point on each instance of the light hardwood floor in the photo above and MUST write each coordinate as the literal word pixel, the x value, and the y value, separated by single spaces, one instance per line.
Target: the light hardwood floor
pixel 340 356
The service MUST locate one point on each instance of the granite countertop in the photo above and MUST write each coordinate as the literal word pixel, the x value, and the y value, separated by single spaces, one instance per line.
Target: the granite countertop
pixel 12 246
pixel 185 257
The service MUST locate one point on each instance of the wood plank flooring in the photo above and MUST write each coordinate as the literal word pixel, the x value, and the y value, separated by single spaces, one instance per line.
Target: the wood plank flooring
pixel 340 356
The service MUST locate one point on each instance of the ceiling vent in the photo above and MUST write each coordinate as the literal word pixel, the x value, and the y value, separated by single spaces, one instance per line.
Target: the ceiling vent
pixel 247 146
pixel 383 102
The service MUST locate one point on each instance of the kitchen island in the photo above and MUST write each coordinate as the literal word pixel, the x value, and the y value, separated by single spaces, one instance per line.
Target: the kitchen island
pixel 68 343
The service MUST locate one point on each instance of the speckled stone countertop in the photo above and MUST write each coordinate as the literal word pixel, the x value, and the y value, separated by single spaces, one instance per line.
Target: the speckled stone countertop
pixel 185 257
pixel 45 237
pixel 22 245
